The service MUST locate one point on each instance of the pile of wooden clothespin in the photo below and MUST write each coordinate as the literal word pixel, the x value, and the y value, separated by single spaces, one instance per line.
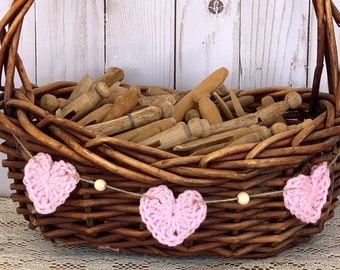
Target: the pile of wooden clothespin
pixel 202 120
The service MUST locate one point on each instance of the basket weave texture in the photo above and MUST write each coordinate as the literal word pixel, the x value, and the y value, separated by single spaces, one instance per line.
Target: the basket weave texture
pixel 110 219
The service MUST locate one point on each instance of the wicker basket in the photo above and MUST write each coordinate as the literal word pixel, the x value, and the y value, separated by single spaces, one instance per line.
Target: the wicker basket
pixel 111 220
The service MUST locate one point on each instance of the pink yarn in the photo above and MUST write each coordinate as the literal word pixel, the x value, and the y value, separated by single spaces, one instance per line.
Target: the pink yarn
pixel 172 220
pixel 305 195
pixel 49 183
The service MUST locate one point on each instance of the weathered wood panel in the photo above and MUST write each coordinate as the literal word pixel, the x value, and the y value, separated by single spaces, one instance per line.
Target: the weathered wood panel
pixel 140 38
pixel 207 38
pixel 261 42
pixel 70 39
pixel 273 46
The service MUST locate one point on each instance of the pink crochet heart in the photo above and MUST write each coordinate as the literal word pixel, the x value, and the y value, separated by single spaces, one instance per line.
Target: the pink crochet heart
pixel 49 183
pixel 172 220
pixel 305 195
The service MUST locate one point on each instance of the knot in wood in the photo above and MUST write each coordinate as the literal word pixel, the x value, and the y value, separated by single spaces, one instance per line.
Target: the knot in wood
pixel 215 6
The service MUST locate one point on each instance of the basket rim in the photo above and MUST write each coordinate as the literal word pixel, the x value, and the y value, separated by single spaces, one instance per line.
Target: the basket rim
pixel 259 228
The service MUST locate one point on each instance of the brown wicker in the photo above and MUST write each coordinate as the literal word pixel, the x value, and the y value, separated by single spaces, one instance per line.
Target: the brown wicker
pixel 111 219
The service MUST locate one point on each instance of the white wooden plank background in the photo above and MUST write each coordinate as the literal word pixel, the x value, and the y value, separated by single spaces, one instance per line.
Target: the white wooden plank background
pixel 274 42
pixel 174 42
pixel 140 38
pixel 69 39
pixel 171 43
pixel 206 41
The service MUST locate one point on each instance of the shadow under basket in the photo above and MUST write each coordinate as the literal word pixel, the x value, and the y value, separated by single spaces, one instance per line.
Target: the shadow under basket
pixel 111 219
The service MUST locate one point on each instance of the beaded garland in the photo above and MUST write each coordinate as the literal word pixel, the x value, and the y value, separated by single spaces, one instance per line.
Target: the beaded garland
pixel 305 195
pixel 50 183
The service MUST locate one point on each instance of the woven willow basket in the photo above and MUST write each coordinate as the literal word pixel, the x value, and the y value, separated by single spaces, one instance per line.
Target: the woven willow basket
pixel 111 220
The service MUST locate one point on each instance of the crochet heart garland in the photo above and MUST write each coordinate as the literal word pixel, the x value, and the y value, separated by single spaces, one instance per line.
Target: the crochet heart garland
pixel 170 220
pixel 305 195
pixel 49 183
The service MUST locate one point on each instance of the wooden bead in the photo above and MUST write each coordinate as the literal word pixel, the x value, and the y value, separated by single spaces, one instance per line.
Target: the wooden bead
pixel 243 198
pixel 100 185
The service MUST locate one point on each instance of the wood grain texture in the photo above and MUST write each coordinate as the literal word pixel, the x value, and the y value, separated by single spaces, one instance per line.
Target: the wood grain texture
pixel 70 39
pixel 206 41
pixel 273 47
pixel 171 42
pixel 26 47
pixel 313 49
pixel 140 38
pixel 4 181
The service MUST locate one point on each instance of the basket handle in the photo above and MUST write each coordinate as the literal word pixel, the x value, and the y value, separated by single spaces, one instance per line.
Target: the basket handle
pixel 9 58
pixel 326 49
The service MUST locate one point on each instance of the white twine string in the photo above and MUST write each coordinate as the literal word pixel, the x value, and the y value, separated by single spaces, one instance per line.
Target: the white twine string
pixel 140 195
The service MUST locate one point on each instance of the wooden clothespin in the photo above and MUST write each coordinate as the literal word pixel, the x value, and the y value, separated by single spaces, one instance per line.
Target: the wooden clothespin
pixel 85 103
pixel 201 95
pixel 132 120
